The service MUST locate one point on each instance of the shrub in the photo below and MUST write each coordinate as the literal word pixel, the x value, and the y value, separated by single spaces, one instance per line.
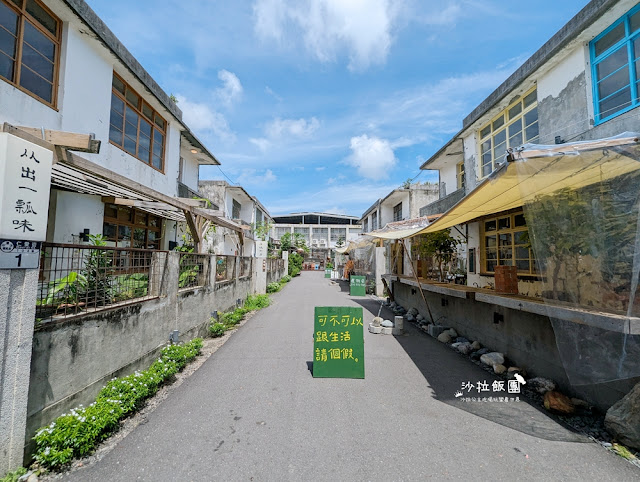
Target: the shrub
pixel 273 287
pixel 285 279
pixel 257 302
pixel 217 329
pixel 76 434
pixel 14 476
pixel 295 264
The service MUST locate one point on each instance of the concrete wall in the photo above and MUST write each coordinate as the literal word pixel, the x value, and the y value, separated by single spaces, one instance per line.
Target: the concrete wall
pixel 74 358
pixel 526 339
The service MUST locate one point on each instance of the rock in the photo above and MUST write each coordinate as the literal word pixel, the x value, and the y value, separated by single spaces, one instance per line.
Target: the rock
pixel 419 317
pixel 464 348
pixel 387 330
pixel 541 385
pixel 511 372
pixel 475 345
pixel 444 337
pixel 462 339
pixel 387 324
pixel 492 359
pixel 455 345
pixel 377 320
pixel 413 311
pixel 477 354
pixel 410 317
pixel 580 403
pixel 453 333
pixel 558 403
pixel 425 328
pixel 393 304
pixel 499 369
pixel 623 418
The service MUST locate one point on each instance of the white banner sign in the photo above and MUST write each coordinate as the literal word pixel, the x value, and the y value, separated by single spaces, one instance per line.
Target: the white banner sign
pixel 261 249
pixel 25 174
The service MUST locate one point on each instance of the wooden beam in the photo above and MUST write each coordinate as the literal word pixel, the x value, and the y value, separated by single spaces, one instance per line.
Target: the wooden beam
pixel 66 140
pixel 193 229
pixel 196 203
pixel 119 201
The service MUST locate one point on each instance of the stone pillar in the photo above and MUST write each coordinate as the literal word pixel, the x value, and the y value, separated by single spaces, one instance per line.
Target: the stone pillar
pixel 285 256
pixel 259 267
pixel 157 272
pixel 18 292
pixel 380 270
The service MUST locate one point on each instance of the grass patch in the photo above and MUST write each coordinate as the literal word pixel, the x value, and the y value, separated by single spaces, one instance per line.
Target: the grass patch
pixel 623 451
pixel 77 433
pixel 14 476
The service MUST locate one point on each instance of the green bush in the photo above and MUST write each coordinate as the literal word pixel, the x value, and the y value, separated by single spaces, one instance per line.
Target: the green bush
pixel 285 279
pixel 295 264
pixel 257 302
pixel 217 329
pixel 76 434
pixel 14 476
pixel 273 287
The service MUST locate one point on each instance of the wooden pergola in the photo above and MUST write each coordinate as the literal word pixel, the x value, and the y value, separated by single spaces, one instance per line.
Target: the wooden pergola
pixel 75 173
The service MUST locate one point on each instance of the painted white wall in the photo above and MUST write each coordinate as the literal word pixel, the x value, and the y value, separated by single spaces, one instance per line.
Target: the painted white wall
pixel 448 176
pixel 557 78
pixel 74 213
pixel 190 173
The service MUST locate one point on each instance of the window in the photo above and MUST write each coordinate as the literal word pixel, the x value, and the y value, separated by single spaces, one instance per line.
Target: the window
pixel 472 260
pixel 337 233
pixel 135 126
pixel 365 226
pixel 460 175
pixel 280 231
pixel 30 48
pixel 615 64
pixel 131 228
pixel 516 125
pixel 235 210
pixel 304 232
pixel 259 217
pixel 397 212
pixel 505 241
pixel 374 221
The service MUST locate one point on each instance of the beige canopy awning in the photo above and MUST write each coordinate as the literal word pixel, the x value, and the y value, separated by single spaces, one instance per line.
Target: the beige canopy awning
pixel 542 170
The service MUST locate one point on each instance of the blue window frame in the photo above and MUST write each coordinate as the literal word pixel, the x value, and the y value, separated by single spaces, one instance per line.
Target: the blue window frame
pixel 615 67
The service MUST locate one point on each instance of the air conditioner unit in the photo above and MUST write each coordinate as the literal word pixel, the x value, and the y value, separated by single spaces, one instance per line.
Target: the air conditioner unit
pixel 323 242
pixel 314 242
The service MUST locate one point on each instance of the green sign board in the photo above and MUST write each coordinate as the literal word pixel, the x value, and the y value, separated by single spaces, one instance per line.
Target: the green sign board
pixel 358 286
pixel 327 273
pixel 338 342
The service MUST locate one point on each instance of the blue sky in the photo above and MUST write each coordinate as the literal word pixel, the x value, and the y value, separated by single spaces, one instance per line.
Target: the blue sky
pixel 327 105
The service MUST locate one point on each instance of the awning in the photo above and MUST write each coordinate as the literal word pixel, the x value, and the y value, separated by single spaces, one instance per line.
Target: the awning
pixel 538 170
pixel 403 229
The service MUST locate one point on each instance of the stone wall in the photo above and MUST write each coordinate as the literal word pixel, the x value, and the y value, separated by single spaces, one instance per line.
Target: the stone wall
pixel 526 338
pixel 72 359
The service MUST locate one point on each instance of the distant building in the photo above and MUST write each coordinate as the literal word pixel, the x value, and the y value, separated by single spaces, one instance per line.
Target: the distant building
pixel 320 230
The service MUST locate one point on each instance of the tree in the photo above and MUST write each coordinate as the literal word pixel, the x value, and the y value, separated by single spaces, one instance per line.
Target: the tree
pixel 262 230
pixel 290 242
pixel 439 245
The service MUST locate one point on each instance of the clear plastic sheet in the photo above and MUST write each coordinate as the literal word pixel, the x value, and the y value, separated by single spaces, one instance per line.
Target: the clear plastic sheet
pixel 581 204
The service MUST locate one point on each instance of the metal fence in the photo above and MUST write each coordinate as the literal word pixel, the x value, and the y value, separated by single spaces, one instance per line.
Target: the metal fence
pixel 225 268
pixel 244 267
pixel 194 270
pixel 79 279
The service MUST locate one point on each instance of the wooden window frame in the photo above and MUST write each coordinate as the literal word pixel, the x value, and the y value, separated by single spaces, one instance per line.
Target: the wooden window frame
pixel 630 36
pixel 511 230
pixel 23 15
pixel 132 225
pixel 138 109
pixel 460 175
pixel 504 127
pixel 395 216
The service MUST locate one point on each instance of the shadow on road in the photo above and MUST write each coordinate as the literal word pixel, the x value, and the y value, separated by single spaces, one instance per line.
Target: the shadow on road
pixel 445 370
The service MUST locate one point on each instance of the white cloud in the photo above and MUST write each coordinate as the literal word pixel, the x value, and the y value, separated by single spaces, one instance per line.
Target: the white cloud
pixel 447 16
pixel 362 28
pixel 372 157
pixel 261 143
pixel 200 117
pixel 270 91
pixel 256 177
pixel 231 89
pixel 300 128
pixel 321 168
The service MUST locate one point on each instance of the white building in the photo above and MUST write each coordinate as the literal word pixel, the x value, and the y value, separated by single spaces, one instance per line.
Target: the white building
pixel 320 230
pixel 238 205
pixel 62 69
pixel 399 205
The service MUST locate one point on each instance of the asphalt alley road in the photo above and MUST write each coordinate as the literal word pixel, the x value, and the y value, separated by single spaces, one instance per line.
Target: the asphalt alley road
pixel 254 412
